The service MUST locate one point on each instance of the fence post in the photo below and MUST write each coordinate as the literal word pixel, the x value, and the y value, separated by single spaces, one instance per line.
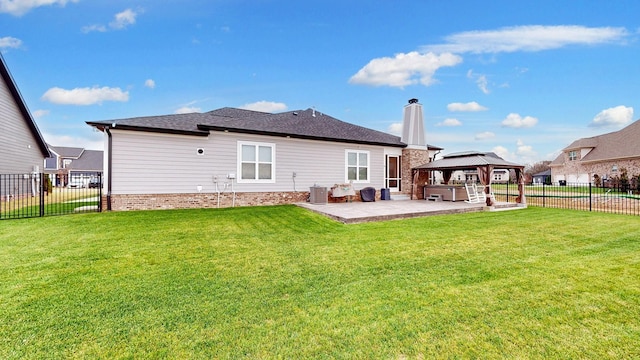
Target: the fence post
pixel 100 192
pixel 42 194
pixel 590 196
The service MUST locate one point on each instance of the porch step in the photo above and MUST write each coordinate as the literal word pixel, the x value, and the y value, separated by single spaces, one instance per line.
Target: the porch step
pixel 400 197
pixel 435 197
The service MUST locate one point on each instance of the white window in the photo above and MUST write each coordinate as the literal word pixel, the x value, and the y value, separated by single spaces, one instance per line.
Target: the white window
pixel 256 162
pixel 573 155
pixel 357 166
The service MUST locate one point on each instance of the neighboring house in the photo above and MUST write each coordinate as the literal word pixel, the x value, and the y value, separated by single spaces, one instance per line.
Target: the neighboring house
pixel 471 176
pixel 543 177
pixel 234 157
pixel 599 157
pixel 22 148
pixel 73 165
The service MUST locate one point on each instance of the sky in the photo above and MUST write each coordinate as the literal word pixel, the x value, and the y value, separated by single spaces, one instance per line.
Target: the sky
pixel 523 79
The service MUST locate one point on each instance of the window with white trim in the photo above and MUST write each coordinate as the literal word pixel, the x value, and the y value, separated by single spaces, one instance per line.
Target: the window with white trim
pixel 573 155
pixel 256 162
pixel 357 166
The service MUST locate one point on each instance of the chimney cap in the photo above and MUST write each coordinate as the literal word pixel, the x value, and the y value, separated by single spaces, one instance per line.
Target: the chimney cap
pixel 413 101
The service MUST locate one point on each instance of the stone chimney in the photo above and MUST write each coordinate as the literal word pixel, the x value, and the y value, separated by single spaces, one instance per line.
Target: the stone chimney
pixel 413 125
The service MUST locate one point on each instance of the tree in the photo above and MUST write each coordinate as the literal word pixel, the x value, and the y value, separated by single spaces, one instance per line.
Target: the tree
pixel 538 167
pixel 624 180
pixel 597 181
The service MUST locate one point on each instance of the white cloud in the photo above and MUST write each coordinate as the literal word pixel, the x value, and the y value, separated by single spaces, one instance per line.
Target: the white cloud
pixel 120 21
pixel 403 69
pixel 395 129
pixel 528 38
pixel 40 113
pixel 503 152
pixel 9 42
pixel 450 122
pixel 187 110
pixel 525 151
pixel 95 27
pixel 92 142
pixel 467 107
pixel 150 83
pixel 523 154
pixel 485 135
pixel 85 96
pixel 615 116
pixel 514 120
pixel 265 106
pixel 123 19
pixel 482 83
pixel 21 7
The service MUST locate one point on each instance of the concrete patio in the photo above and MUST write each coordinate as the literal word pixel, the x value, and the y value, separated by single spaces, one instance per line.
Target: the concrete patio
pixel 359 212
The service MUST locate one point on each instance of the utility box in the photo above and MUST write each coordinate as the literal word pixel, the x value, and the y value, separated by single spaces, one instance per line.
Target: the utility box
pixel 318 195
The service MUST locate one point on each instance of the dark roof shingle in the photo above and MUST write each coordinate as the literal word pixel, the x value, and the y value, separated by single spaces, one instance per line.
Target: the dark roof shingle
pixel 469 160
pixel 306 124
pixel 618 144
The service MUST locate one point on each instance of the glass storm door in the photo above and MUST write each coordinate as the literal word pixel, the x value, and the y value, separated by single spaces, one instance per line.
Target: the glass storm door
pixel 393 173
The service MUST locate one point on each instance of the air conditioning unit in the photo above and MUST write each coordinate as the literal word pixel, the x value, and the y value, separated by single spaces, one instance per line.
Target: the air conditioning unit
pixel 318 195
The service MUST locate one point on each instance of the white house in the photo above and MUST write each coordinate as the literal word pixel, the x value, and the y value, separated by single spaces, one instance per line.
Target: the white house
pixel 73 165
pixel 235 157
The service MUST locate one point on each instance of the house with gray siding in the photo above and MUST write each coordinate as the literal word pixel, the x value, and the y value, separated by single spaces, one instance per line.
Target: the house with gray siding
pixel 73 165
pixel 235 157
pixel 22 148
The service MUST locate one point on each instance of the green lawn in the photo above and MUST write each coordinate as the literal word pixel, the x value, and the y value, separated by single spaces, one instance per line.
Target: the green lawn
pixel 281 282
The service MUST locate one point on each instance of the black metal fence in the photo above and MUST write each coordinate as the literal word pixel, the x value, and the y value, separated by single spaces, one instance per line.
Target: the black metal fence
pixel 33 195
pixel 577 196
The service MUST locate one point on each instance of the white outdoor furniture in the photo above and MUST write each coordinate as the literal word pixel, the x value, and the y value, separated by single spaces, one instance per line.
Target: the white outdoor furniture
pixel 474 196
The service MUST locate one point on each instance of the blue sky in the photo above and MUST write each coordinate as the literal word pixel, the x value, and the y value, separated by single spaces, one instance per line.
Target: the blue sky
pixel 520 78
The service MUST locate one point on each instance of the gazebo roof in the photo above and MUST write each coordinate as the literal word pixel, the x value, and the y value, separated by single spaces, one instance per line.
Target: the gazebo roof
pixel 469 160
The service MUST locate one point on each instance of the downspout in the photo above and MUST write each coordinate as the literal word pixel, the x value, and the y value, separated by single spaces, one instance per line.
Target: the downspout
pixel 109 166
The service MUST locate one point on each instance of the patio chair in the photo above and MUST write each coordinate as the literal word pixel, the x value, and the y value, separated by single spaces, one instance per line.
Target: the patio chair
pixel 482 196
pixel 472 194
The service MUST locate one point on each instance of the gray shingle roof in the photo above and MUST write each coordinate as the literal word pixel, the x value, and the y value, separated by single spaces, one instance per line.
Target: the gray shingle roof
pixel 469 160
pixel 623 143
pixel 306 124
pixel 91 160
pixel 67 152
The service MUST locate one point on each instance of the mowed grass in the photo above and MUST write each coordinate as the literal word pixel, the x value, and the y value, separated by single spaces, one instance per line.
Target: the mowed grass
pixel 282 282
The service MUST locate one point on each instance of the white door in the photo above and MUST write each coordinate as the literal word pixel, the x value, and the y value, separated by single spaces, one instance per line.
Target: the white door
pixel 392 178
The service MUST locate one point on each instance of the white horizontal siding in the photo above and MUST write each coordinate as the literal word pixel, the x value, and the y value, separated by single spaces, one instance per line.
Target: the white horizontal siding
pixel 19 150
pixel 149 163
